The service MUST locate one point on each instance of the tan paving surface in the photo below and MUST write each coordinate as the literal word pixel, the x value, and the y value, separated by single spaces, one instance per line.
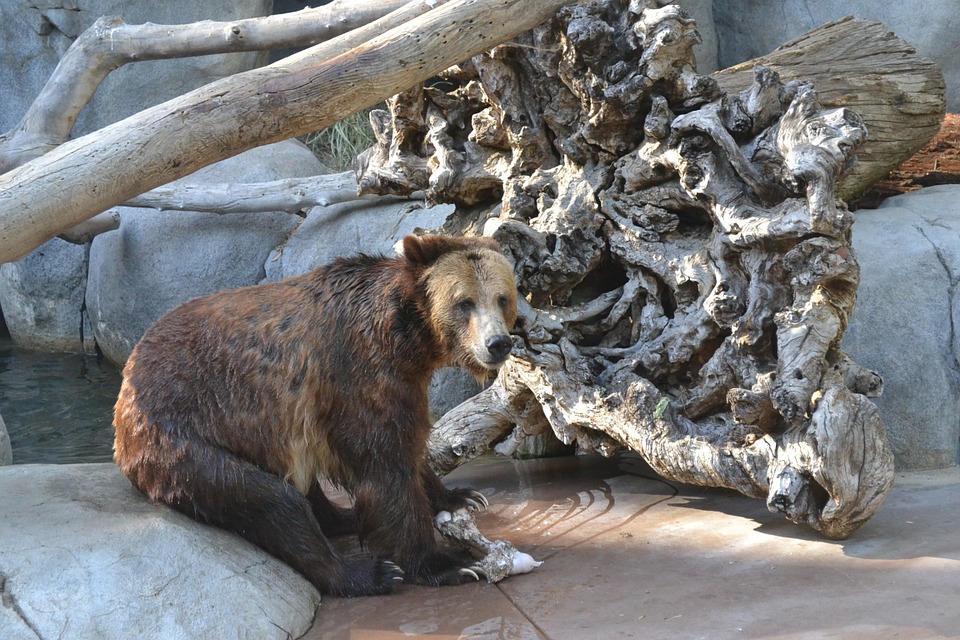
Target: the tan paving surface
pixel 627 555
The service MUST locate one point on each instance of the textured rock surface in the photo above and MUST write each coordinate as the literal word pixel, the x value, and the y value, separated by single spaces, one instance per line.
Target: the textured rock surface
pixel 904 326
pixel 747 29
pixel 706 52
pixel 451 386
pixel 369 225
pixel 42 296
pixel 84 555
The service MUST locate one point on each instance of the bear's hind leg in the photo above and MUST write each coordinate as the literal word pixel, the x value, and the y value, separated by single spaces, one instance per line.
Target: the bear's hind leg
pixel 230 493
pixel 334 520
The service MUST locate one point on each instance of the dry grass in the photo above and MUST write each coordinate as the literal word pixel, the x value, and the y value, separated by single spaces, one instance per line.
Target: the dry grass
pixel 337 145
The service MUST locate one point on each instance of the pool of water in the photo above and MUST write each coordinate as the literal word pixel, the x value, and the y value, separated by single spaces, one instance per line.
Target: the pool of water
pixel 58 408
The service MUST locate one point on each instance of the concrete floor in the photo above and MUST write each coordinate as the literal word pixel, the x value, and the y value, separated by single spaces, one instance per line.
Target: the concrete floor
pixel 628 555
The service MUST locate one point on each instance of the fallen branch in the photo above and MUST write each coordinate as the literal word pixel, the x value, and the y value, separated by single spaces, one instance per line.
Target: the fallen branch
pixel 110 43
pixel 292 195
pixel 89 229
pixel 861 65
pixel 303 93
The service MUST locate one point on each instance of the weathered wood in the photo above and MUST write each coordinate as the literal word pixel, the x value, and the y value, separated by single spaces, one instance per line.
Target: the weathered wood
pixel 110 43
pixel 292 195
pixel 303 93
pixel 685 265
pixel 89 229
pixel 861 65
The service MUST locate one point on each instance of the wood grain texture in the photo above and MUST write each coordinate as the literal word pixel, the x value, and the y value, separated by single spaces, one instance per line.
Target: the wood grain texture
pixel 862 65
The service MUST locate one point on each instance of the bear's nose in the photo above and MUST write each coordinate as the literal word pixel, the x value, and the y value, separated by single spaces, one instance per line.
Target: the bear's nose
pixel 499 346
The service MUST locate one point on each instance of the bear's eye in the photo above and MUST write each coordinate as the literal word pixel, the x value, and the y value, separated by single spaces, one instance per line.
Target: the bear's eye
pixel 466 306
pixel 502 301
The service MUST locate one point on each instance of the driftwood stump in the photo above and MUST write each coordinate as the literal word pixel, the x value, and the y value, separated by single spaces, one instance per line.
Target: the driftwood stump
pixel 685 265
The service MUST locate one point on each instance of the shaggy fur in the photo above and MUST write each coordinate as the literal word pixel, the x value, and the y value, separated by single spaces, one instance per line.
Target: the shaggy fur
pixel 233 404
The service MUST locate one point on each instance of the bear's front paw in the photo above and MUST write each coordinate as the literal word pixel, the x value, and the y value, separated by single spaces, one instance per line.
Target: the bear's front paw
pixel 442 569
pixel 462 498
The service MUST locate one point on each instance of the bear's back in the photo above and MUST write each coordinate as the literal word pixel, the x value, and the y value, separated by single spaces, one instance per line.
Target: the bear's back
pixel 273 368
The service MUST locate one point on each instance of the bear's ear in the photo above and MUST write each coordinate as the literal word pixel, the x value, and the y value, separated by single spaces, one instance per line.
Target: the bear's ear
pixel 425 250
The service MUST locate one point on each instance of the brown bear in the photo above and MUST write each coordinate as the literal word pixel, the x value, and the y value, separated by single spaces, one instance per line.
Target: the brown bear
pixel 233 404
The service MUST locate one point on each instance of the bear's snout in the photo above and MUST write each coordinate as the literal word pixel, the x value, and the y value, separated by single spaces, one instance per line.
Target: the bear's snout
pixel 499 346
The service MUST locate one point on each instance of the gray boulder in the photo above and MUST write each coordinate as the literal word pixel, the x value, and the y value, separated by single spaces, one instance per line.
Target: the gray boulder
pixel 746 29
pixel 41 297
pixel 904 326
pixel 370 225
pixel 158 260
pixel 84 555
pixel 706 51
pixel 449 387
pixel 34 35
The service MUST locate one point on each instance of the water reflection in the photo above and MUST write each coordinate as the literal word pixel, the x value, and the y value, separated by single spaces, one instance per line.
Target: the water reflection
pixel 58 407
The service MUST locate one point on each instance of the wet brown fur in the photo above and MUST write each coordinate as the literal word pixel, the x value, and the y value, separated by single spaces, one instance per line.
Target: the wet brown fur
pixel 231 405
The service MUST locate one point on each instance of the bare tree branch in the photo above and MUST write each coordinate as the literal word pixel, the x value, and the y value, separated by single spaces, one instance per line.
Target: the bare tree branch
pixel 303 93
pixel 292 195
pixel 89 229
pixel 110 43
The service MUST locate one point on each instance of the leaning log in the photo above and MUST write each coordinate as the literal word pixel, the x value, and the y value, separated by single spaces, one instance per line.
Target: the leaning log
pixel 306 92
pixel 110 43
pixel 684 261
pixel 861 65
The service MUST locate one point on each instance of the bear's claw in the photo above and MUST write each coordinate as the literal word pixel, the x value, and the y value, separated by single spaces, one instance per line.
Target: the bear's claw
pixel 364 577
pixel 474 571
pixel 443 568
pixel 461 498
pixel 392 571
pixel 476 501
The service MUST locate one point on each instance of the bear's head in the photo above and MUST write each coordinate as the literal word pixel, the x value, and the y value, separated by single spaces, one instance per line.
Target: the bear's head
pixel 471 297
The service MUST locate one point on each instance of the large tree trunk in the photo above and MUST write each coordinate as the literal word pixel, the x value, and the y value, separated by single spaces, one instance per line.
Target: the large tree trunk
pixel 861 65
pixel 303 93
pixel 685 265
